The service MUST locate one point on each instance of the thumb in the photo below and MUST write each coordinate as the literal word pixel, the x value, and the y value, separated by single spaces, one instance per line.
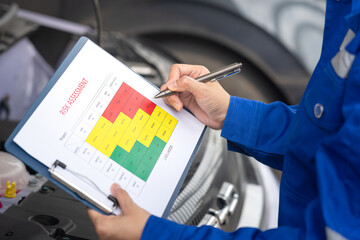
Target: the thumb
pixel 124 200
pixel 186 83
pixel 94 215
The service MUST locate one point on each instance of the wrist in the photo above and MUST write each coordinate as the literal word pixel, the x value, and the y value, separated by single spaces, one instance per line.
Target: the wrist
pixel 225 108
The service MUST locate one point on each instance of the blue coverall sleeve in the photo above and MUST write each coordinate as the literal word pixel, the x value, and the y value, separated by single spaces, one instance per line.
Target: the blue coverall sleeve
pixel 159 228
pixel 258 129
pixel 338 165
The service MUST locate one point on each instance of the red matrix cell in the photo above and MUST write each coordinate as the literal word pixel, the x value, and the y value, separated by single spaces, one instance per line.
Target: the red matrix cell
pixel 147 106
pixel 118 102
pixel 136 99
pixel 130 110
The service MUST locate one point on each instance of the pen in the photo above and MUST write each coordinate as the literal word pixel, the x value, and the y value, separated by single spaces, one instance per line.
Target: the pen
pixel 221 73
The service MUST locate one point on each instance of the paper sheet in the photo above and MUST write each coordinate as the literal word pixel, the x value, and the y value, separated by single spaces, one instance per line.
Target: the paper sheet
pixel 101 120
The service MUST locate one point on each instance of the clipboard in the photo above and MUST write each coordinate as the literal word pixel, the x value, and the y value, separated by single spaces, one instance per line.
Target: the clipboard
pixel 58 171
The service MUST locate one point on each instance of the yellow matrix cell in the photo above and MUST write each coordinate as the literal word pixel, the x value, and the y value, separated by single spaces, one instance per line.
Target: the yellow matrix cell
pixel 158 114
pixel 164 133
pixel 107 147
pixel 122 121
pixel 114 134
pixel 95 137
pixel 141 117
pixel 170 122
pixel 146 137
pixel 103 125
pixel 99 131
pixel 127 142
pixel 134 129
pixel 152 125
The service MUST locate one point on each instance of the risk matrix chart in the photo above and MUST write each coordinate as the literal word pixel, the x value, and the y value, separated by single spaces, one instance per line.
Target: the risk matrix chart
pixel 127 138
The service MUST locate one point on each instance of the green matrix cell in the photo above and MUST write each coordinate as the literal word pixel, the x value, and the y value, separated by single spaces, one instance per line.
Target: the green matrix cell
pixel 141 160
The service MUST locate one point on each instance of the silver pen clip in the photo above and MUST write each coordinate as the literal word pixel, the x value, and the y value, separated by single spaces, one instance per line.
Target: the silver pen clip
pixel 226 75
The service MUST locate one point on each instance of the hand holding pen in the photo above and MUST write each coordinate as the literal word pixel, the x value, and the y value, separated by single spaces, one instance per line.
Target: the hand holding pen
pixel 208 102
pixel 219 74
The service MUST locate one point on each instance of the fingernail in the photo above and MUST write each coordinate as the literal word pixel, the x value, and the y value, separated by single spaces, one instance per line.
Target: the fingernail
pixel 163 87
pixel 172 85
pixel 115 186
pixel 177 106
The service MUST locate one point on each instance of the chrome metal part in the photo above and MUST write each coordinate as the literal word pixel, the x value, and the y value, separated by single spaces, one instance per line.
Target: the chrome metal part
pixel 210 220
pixel 227 200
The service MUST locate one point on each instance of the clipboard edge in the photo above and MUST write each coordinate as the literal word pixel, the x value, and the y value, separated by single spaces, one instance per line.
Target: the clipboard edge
pixel 183 176
pixel 12 148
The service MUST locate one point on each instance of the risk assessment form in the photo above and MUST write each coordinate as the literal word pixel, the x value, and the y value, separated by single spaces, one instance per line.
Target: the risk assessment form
pixel 101 120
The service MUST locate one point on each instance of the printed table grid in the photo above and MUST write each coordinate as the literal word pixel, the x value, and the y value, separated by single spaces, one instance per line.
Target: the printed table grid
pixel 132 132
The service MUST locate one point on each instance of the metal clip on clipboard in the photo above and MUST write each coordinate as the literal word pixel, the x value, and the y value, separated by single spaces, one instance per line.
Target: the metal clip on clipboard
pixel 80 192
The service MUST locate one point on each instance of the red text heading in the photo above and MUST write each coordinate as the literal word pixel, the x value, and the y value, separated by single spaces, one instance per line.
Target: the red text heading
pixel 76 93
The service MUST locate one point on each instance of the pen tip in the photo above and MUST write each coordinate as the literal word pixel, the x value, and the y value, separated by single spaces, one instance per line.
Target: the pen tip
pixel 159 95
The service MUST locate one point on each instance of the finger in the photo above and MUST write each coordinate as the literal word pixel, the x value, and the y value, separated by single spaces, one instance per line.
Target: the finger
pixel 125 202
pixel 187 84
pixel 172 100
pixel 94 216
pixel 101 223
pixel 179 70
pixel 175 72
pixel 163 87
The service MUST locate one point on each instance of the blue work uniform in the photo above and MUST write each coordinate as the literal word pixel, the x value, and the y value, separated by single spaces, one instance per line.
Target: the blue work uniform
pixel 316 144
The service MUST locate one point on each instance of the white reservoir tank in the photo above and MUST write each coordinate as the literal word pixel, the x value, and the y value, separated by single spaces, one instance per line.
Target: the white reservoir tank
pixel 13 170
